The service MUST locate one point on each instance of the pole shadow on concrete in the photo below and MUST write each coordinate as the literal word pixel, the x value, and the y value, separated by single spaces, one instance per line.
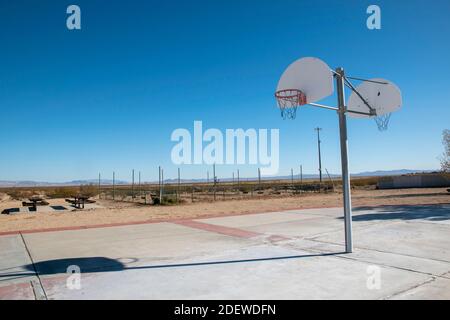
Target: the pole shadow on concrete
pixel 437 212
pixel 103 264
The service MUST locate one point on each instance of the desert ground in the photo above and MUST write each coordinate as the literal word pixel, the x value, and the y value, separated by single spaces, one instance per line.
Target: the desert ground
pixel 110 212
pixel 285 247
pixel 399 252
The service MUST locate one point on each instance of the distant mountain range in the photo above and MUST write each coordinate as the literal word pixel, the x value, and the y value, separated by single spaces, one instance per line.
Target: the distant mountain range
pixel 4 183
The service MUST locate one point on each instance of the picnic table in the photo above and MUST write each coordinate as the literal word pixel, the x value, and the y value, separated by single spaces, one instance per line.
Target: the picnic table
pixel 79 201
pixel 34 202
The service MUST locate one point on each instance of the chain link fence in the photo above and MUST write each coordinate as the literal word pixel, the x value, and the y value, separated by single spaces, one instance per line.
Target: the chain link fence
pixel 173 193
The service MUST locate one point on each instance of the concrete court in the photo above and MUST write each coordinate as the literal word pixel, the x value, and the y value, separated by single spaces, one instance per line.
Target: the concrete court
pixel 279 255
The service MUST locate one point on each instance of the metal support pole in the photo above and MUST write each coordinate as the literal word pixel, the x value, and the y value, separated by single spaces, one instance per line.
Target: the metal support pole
pixel 344 159
pixel 99 179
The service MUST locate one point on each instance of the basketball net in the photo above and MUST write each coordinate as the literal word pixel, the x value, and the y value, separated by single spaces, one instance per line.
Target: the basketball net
pixel 288 101
pixel 383 121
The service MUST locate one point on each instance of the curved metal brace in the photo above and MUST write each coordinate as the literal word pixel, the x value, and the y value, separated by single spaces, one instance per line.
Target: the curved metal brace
pixel 372 111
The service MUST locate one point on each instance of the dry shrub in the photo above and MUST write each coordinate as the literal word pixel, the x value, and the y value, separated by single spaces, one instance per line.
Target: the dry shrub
pixel 88 190
pixel 21 194
pixel 363 182
pixel 62 192
pixel 67 192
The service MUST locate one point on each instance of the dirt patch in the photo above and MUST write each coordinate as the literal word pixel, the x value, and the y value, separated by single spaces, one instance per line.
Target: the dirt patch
pixel 4 197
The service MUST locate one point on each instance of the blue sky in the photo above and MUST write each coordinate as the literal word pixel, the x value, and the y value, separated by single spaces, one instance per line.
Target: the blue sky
pixel 107 97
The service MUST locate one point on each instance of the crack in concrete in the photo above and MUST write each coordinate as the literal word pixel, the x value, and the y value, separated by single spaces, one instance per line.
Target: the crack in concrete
pixel 38 288
pixel 432 279
pixel 382 251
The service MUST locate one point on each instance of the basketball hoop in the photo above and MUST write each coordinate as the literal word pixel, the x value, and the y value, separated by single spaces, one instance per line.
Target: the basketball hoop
pixel 382 95
pixel 309 80
pixel 288 101
pixel 383 121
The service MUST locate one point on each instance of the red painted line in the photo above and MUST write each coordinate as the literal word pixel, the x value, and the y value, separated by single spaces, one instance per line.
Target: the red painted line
pixel 17 291
pixel 94 226
pixel 233 232
pixel 215 215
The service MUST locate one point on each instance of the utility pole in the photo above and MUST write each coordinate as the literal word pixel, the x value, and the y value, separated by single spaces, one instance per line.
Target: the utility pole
pixel 320 158
pixel 292 177
pixel 99 178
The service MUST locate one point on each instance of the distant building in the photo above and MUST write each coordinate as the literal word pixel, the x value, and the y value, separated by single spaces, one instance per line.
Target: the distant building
pixel 431 180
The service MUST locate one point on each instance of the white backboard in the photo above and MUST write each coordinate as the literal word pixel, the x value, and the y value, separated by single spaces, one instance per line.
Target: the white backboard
pixel 384 98
pixel 310 75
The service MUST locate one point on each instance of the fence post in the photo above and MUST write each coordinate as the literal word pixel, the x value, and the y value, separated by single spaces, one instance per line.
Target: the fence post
pixel 238 181
pixel 301 178
pixel 178 189
pixel 162 185
pixel 259 178
pixel 292 181
pixel 214 177
pixel 114 186
pixel 139 188
pixel 132 185
pixel 159 184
